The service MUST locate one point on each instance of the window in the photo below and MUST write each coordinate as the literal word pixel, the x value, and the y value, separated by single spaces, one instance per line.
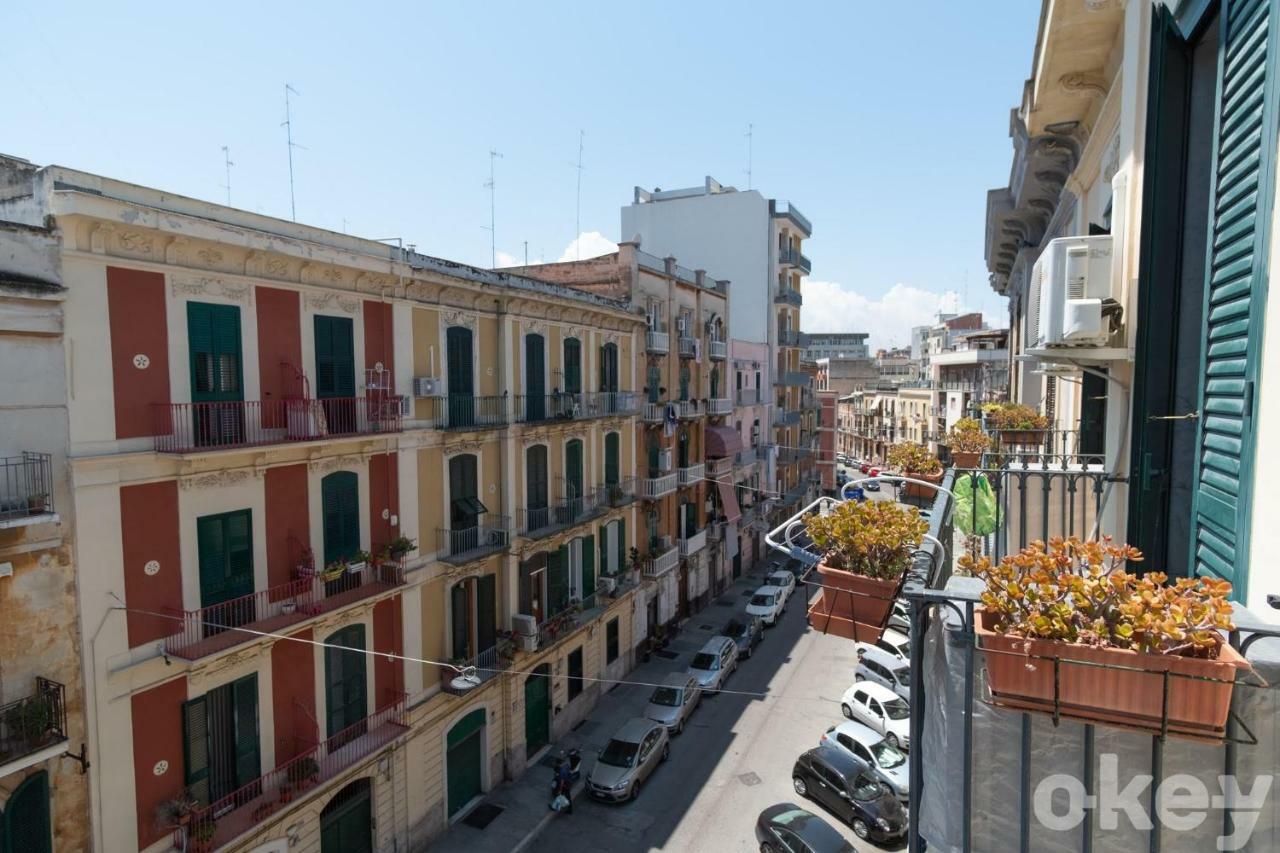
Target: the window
pixel 535 485
pixel 575 673
pixel 612 475
pixel 611 640
pixel 609 368
pixel 345 680
pixel 335 357
pixel 653 384
pixel 220 739
pixel 572 366
pixel 340 503
pixel 213 332
pixel 465 507
pixel 225 549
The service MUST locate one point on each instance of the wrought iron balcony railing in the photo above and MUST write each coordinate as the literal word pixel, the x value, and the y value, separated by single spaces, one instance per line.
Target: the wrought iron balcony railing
pixel 31 725
pixel 26 487
pixel 478 670
pixel 788 296
pixel 793 258
pixel 658 343
pixel 202 427
pixel 490 534
pixel 717 350
pixel 571 406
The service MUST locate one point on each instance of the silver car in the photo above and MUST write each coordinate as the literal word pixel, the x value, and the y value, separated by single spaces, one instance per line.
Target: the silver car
pixel 673 702
pixel 714 663
pixel 631 756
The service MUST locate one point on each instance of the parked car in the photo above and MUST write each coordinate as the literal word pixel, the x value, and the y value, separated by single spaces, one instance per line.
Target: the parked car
pixel 715 663
pixel 846 787
pixel 673 702
pixel 881 709
pixel 870 485
pixel 767 602
pixel 895 643
pixel 799 568
pixel 786 827
pixel 628 760
pixel 746 632
pixel 864 467
pixel 881 667
pixel 900 618
pixel 783 580
pixel 874 750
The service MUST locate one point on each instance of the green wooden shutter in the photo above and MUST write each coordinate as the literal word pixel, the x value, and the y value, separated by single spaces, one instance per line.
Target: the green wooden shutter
pixel 588 567
pixel 573 468
pixel 557 580
pixel 195 747
pixel 622 545
pixel 460 618
pixel 536 477
pixel 26 825
pixel 611 474
pixel 486 611
pixel 653 384
pixel 1235 292
pixel 335 357
pixel 572 365
pixel 245 695
pixel 224 548
pixel 345 679
pixel 340 503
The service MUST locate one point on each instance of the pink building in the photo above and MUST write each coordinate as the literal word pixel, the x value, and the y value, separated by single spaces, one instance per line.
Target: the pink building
pixel 750 474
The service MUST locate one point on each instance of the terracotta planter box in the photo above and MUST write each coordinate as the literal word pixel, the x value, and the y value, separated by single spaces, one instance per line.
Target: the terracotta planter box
pixel 1022 436
pixel 860 614
pixel 964 459
pixel 1128 691
pixel 915 490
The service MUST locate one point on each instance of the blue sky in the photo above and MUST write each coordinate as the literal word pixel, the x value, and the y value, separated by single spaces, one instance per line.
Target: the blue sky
pixel 885 123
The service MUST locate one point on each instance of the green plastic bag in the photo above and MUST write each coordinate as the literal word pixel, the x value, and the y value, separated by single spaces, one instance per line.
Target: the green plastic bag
pixel 976 513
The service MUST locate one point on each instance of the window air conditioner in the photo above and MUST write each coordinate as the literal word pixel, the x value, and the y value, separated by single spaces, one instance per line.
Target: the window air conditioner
pixel 664 459
pixel 526 631
pixel 426 386
pixel 1069 293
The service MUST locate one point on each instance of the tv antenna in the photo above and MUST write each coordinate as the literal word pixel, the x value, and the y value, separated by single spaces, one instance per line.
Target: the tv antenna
pixel 577 208
pixel 750 133
pixel 490 185
pixel 288 133
pixel 227 164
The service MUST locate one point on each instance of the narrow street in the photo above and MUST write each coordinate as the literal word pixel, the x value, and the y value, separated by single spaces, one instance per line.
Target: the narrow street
pixel 736 755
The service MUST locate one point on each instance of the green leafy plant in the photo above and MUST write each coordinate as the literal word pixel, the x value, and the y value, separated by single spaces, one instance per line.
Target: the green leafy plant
pixel 912 458
pixel 1080 592
pixel 302 771
pixel 875 539
pixel 1014 416
pixel 967 436
pixel 400 546
pixel 334 570
pixel 360 557
pixel 175 812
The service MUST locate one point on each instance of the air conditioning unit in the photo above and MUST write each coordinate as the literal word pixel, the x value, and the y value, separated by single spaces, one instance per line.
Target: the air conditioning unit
pixel 681 322
pixel 526 631
pixel 427 386
pixel 1069 288
pixel 606 584
pixel 664 459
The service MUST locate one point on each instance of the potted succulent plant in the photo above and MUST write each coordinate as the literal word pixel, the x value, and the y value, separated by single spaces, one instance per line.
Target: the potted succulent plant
pixel 967 442
pixel 867 547
pixel 1014 423
pixel 177 811
pixel 1070 631
pixel 915 461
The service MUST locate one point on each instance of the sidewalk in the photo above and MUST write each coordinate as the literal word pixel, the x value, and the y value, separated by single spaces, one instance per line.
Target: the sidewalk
pixel 525 801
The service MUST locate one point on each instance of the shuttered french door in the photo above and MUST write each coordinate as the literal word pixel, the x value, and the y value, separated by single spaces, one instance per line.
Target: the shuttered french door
pixel 345 685
pixel 224 546
pixel 25 825
pixel 535 381
pixel 458 355
pixel 336 372
pixel 572 366
pixel 1236 286
pixel 213 338
pixel 220 736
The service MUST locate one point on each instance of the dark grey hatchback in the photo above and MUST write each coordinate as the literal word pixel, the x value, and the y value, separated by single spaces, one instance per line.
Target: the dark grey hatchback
pixel 849 790
pixel 786 827
pixel 747 631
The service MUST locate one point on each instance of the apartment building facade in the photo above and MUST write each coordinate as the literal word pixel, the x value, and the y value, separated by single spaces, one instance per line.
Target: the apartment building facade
pixel 305 471
pixel 820 345
pixel 751 463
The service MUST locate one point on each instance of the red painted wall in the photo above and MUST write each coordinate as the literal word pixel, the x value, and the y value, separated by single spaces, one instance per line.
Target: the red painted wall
pixel 293 695
pixel 388 679
pixel 384 494
pixel 288 520
pixel 149 531
pixel 136 315
pixel 157 736
pixel 377 335
pixel 279 340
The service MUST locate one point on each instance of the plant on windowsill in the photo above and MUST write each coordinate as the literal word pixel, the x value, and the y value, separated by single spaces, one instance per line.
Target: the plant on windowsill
pixel 306 567
pixel 1014 423
pixel 400 547
pixel 967 443
pixel 303 772
pixel 915 461
pixel 867 548
pixel 36 503
pixel 177 811
pixel 505 646
pixel 1068 630
pixel 359 562
pixel 286 794
pixel 334 570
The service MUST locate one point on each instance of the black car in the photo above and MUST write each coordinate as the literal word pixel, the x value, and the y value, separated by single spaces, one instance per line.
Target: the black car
pixel 747 632
pixel 786 827
pixel 849 790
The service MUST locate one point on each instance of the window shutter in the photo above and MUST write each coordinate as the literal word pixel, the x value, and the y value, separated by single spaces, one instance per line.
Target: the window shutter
pixel 335 357
pixel 324 357
pixel 572 365
pixel 622 545
pixel 210 547
pixel 340 499
pixel 611 475
pixel 486 611
pixel 461 619
pixel 588 567
pixel 1240 219
pixel 195 752
pixel 245 693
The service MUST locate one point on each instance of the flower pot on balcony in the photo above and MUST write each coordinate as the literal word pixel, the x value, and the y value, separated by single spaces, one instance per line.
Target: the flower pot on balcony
pixel 962 459
pixel 853 606
pixel 916 490
pixel 1110 685
pixel 288 607
pixel 1022 437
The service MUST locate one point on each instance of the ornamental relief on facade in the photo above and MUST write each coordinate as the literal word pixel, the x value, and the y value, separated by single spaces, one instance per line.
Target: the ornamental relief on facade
pixel 181 285
pixel 135 242
pixel 215 479
pixel 455 448
pixel 460 318
pixel 328 464
pixel 329 301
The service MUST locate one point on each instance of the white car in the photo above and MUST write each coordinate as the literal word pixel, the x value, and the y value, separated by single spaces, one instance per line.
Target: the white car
pixel 767 602
pixel 881 709
pixel 713 665
pixel 895 643
pixel 783 580
pixel 900 618
pixel 873 749
pixel 881 667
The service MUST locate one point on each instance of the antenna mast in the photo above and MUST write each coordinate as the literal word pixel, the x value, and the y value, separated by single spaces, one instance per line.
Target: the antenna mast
pixel 490 185
pixel 227 164
pixel 288 133
pixel 577 209
pixel 750 133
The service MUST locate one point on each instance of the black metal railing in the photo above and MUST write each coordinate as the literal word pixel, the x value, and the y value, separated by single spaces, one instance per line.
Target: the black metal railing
pixel 536 522
pixel 570 406
pixel 26 485
pixel 620 493
pixel 33 722
pixel 489 535
pixel 465 411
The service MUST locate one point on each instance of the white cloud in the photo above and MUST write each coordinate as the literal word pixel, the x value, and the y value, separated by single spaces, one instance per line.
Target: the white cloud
pixel 505 260
pixel 590 244
pixel 831 307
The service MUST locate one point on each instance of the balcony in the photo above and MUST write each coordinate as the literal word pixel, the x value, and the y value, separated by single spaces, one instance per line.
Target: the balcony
pixel 652 488
pixel 687 346
pixel 467 412
pixel 33 729
pixel 563 513
pixel 542 408
pixel 748 396
pixel 792 338
pixel 791 379
pixel 746 456
pixel 719 406
pixel 478 670
pixel 657 343
pixel 689 409
pixel 26 490
pixel 655 413
pixel 206 427
pixel 242 810
pixel 490 535
pixel 692 475
pixel 793 258
pixel 785 418
pixel 661 562
pixel 692 543
pixel 718 467
pixel 621 493
pixel 214 629
pixel 717 350
pixel 788 296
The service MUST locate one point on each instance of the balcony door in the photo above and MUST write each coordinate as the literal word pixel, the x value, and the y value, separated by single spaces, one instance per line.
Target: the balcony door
pixel 220 737
pixel 653 384
pixel 715 382
pixel 459 359
pixel 346 823
pixel 336 373
pixel 609 368
pixel 535 380
pixel 685 377
pixel 573 491
pixel 572 366
pixel 472 616
pixel 558 590
pixel 682 449
pixel 535 485
pixel 345 681
pixel 224 547
pixel 25 824
pixel 465 507
pixel 612 462
pixel 217 390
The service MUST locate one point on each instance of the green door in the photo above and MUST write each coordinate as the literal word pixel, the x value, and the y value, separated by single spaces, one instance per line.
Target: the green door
pixel 588 569
pixel 346 823
pixel 535 382
pixel 1236 290
pixel 25 826
pixel 609 368
pixel 682 450
pixel 535 481
pixel 537 710
pixel 458 351
pixel 460 621
pixel 558 580
pixel 336 373
pixel 340 503
pixel 463 757
pixel 217 389
pixel 572 366
pixel 220 740
pixel 224 544
pixel 653 384
pixel 612 473
pixel 465 506
pixel 573 476
pixel 654 451
pixel 486 612
pixel 685 376
pixel 344 679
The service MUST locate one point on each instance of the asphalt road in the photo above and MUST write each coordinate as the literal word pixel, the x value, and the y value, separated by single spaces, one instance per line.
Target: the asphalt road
pixel 735 756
